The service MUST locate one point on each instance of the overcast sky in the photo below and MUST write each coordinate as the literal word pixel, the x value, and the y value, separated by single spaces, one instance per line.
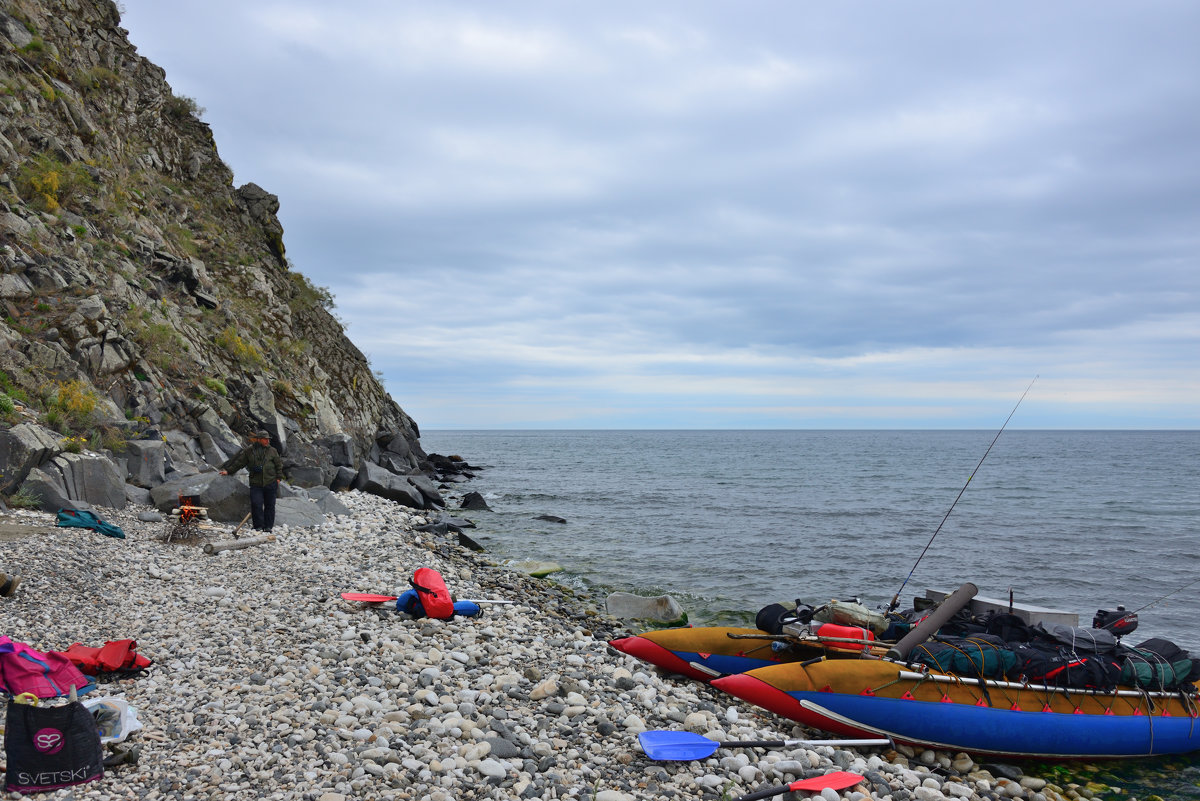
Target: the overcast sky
pixel 729 215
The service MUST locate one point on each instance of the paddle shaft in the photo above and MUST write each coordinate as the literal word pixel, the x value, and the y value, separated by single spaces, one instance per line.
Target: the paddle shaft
pixel 833 781
pixel 767 793
pixel 792 743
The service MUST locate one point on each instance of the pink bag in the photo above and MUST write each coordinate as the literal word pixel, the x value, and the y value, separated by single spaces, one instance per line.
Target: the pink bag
pixel 46 675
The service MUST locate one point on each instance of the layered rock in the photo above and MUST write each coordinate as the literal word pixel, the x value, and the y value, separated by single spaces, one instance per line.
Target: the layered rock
pixel 148 306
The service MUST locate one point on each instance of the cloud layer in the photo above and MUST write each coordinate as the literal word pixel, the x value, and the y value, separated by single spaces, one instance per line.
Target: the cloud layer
pixel 706 215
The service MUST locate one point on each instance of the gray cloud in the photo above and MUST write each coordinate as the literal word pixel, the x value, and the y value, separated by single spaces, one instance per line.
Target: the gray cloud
pixel 700 214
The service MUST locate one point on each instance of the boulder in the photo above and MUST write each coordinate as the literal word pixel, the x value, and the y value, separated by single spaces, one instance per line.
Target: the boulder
pixel 427 489
pixel 89 478
pixel 303 476
pixel 146 463
pixel 138 496
pixel 49 491
pixel 551 518
pixel 214 455
pixel 393 462
pixel 343 479
pixel 308 465
pixel 182 454
pixel 340 448
pixel 475 502
pixel 396 443
pixel 22 448
pixel 376 480
pixel 627 606
pixel 297 512
pixel 286 490
pixel 469 544
pixel 223 437
pixel 226 498
pixel 398 451
pixel 535 568
pixel 262 409
pixel 328 502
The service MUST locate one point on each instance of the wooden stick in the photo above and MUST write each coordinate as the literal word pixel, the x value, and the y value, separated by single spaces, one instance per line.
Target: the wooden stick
pixel 239 526
pixel 235 545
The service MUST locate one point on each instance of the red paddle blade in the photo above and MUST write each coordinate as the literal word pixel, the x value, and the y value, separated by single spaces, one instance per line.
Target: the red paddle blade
pixel 838 780
pixel 367 597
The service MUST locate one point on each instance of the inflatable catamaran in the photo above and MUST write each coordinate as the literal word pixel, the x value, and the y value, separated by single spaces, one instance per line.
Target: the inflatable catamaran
pixel 1051 690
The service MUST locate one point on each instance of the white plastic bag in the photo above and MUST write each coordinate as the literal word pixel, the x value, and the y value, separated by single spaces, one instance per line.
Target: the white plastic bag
pixel 114 716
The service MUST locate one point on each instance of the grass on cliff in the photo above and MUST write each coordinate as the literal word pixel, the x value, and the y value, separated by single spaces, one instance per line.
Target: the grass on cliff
pixel 243 352
pixel 161 344
pixel 47 184
pixel 24 498
pixel 8 410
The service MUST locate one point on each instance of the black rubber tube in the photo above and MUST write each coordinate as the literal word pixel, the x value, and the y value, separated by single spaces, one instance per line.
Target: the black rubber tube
pixel 929 626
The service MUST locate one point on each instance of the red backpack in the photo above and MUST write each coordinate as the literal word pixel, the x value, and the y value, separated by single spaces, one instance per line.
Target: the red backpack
pixel 46 675
pixel 431 589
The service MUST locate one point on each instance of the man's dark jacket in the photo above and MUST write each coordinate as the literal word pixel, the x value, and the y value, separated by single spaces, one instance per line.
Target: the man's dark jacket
pixel 262 462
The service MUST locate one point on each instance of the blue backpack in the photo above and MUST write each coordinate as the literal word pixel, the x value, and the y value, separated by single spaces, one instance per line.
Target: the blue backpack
pixel 81 518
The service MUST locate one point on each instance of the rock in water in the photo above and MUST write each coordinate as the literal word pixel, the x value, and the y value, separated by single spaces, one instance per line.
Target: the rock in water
pixel 535 568
pixel 627 606
pixel 475 502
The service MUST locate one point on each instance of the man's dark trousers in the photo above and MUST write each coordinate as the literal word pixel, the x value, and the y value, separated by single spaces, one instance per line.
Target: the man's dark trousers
pixel 262 506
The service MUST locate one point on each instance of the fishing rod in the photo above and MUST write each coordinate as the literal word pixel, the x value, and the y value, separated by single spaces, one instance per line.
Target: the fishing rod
pixel 1113 624
pixel 896 598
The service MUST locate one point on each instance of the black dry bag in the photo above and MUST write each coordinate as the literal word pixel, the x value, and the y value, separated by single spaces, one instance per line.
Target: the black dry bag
pixel 50 747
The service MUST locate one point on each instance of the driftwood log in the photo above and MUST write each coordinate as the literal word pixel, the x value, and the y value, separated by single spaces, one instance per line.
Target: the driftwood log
pixel 233 545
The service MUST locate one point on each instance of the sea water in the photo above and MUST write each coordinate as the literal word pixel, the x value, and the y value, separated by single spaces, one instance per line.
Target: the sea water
pixel 729 521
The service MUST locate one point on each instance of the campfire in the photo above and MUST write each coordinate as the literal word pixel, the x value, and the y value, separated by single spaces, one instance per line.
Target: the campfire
pixel 185 521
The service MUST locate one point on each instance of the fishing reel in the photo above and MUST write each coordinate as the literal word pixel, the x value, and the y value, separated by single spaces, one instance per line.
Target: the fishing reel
pixel 1119 622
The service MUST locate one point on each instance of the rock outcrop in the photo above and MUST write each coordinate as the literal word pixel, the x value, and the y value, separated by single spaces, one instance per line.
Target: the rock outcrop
pixel 149 317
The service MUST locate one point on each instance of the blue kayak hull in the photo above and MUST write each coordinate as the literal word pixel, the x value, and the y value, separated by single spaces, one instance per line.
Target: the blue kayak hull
pixel 877 698
pixel 1005 732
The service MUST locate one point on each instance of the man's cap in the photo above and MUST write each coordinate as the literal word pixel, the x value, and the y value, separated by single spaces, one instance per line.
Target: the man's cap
pixel 260 434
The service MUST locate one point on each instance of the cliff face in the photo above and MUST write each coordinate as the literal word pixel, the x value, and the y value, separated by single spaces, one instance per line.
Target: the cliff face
pixel 138 288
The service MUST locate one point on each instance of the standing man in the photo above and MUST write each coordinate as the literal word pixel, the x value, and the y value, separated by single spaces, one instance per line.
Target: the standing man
pixel 266 468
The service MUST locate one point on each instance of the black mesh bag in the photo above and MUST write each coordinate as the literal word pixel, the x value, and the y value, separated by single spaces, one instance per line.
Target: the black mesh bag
pixel 48 747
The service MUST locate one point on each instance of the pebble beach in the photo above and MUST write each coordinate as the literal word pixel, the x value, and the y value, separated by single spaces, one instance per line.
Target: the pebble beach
pixel 267 685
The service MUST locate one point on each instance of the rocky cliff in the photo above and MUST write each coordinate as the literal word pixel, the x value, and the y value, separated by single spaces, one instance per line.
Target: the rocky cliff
pixel 148 305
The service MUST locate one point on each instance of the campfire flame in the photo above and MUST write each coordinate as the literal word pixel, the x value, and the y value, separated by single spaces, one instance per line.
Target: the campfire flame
pixel 187 510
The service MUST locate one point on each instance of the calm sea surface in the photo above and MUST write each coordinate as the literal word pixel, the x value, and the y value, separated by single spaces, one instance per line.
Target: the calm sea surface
pixel 728 521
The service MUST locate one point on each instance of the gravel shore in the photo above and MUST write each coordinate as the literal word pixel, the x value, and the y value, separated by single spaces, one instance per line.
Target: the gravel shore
pixel 266 684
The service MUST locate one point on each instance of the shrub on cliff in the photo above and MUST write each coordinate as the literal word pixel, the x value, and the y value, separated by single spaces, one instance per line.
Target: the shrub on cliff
pixel 307 294
pixel 47 184
pixel 241 350
pixel 180 107
pixel 73 401
pixel 8 409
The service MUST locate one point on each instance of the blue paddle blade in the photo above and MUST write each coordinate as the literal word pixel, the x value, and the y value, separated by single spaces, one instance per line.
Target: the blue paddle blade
pixel 676 745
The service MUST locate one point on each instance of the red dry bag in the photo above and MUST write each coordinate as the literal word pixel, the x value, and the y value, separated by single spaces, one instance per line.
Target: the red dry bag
pixel 839 632
pixel 431 589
